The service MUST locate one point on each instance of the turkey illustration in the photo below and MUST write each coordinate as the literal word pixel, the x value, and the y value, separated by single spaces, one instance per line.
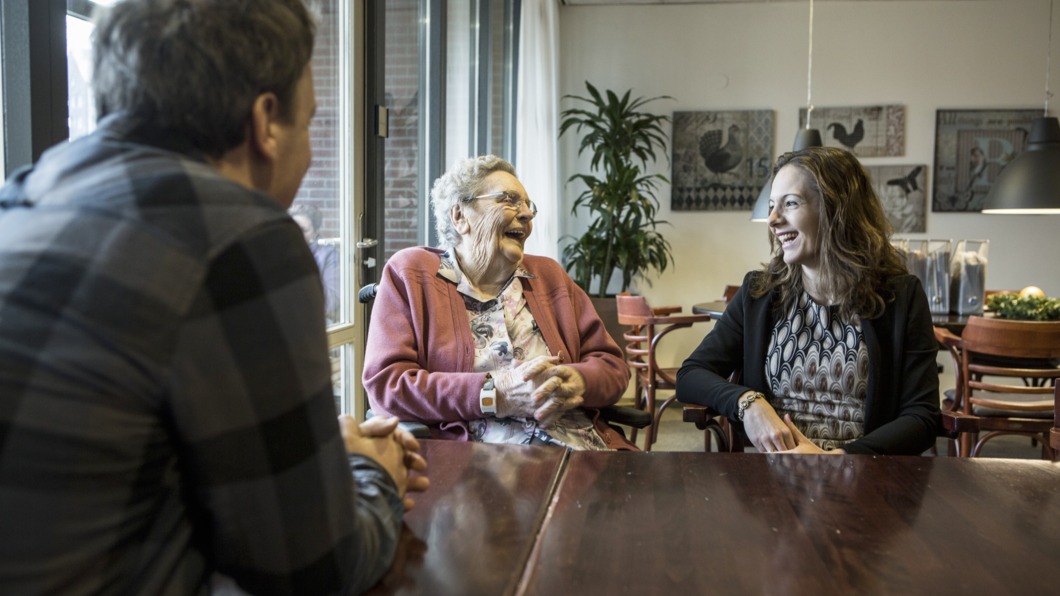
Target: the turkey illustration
pixel 848 140
pixel 721 158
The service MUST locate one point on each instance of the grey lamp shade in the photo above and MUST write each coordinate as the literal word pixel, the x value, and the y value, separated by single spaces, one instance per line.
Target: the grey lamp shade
pixel 761 210
pixel 1030 185
pixel 806 137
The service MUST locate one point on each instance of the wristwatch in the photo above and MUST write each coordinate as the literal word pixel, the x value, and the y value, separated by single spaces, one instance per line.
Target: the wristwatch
pixel 487 398
pixel 746 403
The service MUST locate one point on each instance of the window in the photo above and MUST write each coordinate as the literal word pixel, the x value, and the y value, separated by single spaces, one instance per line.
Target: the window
pixel 324 206
pixel 481 46
pixel 80 101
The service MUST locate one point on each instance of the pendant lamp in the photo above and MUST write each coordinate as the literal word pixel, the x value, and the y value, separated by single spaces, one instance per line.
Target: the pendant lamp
pixel 805 137
pixel 1030 185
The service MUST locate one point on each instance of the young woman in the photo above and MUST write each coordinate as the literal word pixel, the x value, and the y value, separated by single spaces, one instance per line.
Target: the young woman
pixel 833 338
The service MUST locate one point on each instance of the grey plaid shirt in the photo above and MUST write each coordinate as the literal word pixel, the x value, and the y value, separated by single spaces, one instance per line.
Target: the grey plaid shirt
pixel 166 407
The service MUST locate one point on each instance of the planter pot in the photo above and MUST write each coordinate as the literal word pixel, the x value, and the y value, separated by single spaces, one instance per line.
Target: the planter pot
pixel 607 310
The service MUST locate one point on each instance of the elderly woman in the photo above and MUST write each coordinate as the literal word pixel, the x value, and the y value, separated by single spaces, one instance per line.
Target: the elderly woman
pixel 833 338
pixel 484 343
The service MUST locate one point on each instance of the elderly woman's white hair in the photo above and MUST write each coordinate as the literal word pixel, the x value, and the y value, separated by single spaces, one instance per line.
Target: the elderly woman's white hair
pixel 461 182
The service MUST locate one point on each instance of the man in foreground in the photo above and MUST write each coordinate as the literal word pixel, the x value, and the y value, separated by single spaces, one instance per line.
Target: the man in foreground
pixel 166 406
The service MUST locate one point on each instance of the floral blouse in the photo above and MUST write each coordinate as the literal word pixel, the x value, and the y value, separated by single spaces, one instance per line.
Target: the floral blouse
pixel 505 336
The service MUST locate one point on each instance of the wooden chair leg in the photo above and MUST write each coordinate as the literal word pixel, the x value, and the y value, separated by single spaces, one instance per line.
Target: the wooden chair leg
pixel 737 443
pixel 657 418
pixel 649 431
pixel 638 403
pixel 966 445
pixel 1047 452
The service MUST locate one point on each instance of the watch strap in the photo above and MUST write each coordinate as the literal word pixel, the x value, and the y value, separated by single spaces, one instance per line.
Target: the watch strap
pixel 487 397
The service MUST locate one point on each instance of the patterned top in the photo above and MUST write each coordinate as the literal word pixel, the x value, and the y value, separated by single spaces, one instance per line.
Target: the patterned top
pixel 166 405
pixel 505 336
pixel 818 370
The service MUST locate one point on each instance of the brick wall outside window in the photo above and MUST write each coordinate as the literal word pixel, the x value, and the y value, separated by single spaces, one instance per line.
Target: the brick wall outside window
pixel 320 187
pixel 401 156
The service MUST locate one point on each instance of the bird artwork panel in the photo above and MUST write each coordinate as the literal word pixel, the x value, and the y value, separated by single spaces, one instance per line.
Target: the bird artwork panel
pixel 971 149
pixel 903 194
pixel 721 160
pixel 867 131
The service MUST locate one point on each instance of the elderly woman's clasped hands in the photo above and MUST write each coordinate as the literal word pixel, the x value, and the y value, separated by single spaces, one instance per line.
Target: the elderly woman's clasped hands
pixel 541 389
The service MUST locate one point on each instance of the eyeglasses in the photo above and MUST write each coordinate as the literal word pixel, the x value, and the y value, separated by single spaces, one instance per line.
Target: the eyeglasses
pixel 513 200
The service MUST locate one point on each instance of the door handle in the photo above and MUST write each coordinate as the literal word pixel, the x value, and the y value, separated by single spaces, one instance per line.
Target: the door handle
pixel 367 243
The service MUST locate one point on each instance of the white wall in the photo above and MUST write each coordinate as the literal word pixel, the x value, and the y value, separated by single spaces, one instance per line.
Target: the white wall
pixel 924 55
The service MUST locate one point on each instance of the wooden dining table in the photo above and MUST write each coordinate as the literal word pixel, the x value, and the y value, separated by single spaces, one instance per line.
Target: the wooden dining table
pixel 471 533
pixel 505 520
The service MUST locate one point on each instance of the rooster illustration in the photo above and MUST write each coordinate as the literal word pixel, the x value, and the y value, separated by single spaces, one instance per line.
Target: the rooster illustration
pixel 848 140
pixel 908 182
pixel 720 158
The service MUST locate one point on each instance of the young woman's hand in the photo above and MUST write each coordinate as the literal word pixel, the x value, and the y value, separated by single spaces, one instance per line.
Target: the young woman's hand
pixel 805 445
pixel 766 430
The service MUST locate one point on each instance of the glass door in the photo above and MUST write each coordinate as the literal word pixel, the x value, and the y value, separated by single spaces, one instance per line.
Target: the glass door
pixel 330 201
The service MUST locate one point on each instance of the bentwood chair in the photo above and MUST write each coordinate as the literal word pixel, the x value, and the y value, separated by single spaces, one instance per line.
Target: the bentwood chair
pixel 711 422
pixel 730 291
pixel 1002 348
pixel 647 328
pixel 612 415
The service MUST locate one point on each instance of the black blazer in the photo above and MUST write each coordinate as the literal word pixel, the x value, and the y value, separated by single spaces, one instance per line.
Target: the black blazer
pixel 902 409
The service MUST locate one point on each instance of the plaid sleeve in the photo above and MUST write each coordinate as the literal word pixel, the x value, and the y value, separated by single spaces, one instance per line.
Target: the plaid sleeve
pixel 253 409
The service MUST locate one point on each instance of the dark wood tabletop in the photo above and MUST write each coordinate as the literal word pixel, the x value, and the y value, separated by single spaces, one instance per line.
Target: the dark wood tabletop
pixel 472 531
pixel 715 309
pixel 698 523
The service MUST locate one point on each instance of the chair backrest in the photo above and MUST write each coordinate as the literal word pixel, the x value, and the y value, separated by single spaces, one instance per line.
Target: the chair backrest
pixel 632 310
pixel 1015 339
pixel 730 291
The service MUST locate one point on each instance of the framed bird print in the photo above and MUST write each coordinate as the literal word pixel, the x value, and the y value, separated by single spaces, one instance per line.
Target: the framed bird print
pixel 903 193
pixel 869 131
pixel 721 159
pixel 971 149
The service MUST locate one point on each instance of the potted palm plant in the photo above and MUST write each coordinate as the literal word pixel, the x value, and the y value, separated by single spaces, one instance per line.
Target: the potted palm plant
pixel 623 235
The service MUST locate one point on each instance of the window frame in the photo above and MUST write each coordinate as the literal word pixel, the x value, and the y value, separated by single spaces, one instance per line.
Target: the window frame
pixel 35 87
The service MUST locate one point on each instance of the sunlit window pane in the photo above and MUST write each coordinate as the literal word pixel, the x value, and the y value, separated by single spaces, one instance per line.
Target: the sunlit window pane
pixel 341 381
pixel 81 104
pixel 458 82
pixel 318 207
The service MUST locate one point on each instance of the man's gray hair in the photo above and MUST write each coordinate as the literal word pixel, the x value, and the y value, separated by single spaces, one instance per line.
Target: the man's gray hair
pixel 460 183
pixel 195 67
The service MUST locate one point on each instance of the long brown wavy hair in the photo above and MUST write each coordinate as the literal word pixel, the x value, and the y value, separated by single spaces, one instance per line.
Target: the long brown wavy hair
pixel 855 253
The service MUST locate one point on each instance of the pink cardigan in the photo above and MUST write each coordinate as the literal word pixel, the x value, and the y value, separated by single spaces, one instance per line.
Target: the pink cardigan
pixel 419 357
